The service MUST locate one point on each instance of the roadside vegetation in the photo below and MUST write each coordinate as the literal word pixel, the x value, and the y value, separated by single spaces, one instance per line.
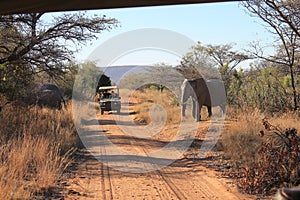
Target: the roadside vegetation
pixel 36 147
pixel 262 150
pixel 263 144
pixel 152 96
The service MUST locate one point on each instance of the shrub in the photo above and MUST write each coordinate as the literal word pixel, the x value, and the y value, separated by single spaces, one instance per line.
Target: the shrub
pixel 277 163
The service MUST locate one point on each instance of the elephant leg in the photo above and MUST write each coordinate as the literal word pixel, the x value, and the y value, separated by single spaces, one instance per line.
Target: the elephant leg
pixel 194 108
pixel 197 110
pixel 209 111
pixel 223 107
pixel 183 106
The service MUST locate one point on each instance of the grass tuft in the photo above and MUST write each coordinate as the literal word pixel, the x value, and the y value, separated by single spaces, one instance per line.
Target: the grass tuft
pixel 36 147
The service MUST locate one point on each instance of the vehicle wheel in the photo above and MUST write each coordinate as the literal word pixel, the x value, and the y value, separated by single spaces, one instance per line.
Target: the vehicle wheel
pixel 101 111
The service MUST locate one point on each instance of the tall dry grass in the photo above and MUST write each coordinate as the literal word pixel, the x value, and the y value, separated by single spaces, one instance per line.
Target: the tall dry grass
pixel 30 167
pixel 241 140
pixel 263 150
pixel 147 98
pixel 36 146
pixel 57 125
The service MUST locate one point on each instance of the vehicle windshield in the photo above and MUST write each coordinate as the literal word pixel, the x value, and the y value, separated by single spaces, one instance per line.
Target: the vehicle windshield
pixel 108 94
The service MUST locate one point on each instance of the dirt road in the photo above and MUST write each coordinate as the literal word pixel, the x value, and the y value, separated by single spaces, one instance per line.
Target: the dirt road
pixel 183 179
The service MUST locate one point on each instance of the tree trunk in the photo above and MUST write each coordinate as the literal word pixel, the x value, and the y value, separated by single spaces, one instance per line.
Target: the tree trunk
pixel 294 88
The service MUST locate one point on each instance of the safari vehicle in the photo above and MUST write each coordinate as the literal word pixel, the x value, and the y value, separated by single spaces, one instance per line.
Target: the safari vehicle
pixel 109 99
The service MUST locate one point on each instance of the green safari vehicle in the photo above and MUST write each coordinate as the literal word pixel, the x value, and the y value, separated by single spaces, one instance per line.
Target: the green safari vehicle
pixel 109 99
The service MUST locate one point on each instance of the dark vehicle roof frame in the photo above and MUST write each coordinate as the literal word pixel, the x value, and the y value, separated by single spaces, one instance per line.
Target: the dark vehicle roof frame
pixel 35 6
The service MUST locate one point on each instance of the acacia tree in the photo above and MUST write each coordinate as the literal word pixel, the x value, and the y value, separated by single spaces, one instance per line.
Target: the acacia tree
pixel 198 63
pixel 227 60
pixel 39 42
pixel 165 75
pixel 282 18
pixel 88 81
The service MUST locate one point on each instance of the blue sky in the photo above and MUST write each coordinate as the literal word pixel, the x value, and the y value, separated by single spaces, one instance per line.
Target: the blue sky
pixel 211 23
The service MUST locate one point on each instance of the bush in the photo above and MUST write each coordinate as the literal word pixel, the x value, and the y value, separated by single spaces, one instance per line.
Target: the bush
pixel 277 163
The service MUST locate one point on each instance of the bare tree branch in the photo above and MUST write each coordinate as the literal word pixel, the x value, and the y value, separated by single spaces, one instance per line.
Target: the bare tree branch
pixel 30 41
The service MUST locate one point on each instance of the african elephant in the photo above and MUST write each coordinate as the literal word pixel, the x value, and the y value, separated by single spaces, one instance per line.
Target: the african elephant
pixel 50 96
pixel 209 93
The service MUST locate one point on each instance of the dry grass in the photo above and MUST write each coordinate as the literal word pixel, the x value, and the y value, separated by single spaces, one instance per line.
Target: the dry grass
pixel 56 125
pixel 287 120
pixel 148 99
pixel 260 161
pixel 240 140
pixel 30 166
pixel 162 106
pixel 36 145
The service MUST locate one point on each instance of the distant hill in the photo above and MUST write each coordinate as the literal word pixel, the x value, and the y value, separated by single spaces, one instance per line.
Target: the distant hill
pixel 115 73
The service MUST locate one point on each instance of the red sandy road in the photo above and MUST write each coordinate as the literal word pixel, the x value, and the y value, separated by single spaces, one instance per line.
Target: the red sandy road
pixel 184 179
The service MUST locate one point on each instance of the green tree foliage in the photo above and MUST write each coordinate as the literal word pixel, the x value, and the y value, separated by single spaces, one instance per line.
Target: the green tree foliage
pixel 66 82
pixel 281 18
pixel 14 81
pixel 88 80
pixel 227 60
pixel 198 63
pixel 40 43
pixel 263 87
pixel 234 87
pixel 211 61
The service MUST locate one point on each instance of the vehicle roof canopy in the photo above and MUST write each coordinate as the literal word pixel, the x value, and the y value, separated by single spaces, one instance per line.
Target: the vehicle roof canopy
pixel 108 87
